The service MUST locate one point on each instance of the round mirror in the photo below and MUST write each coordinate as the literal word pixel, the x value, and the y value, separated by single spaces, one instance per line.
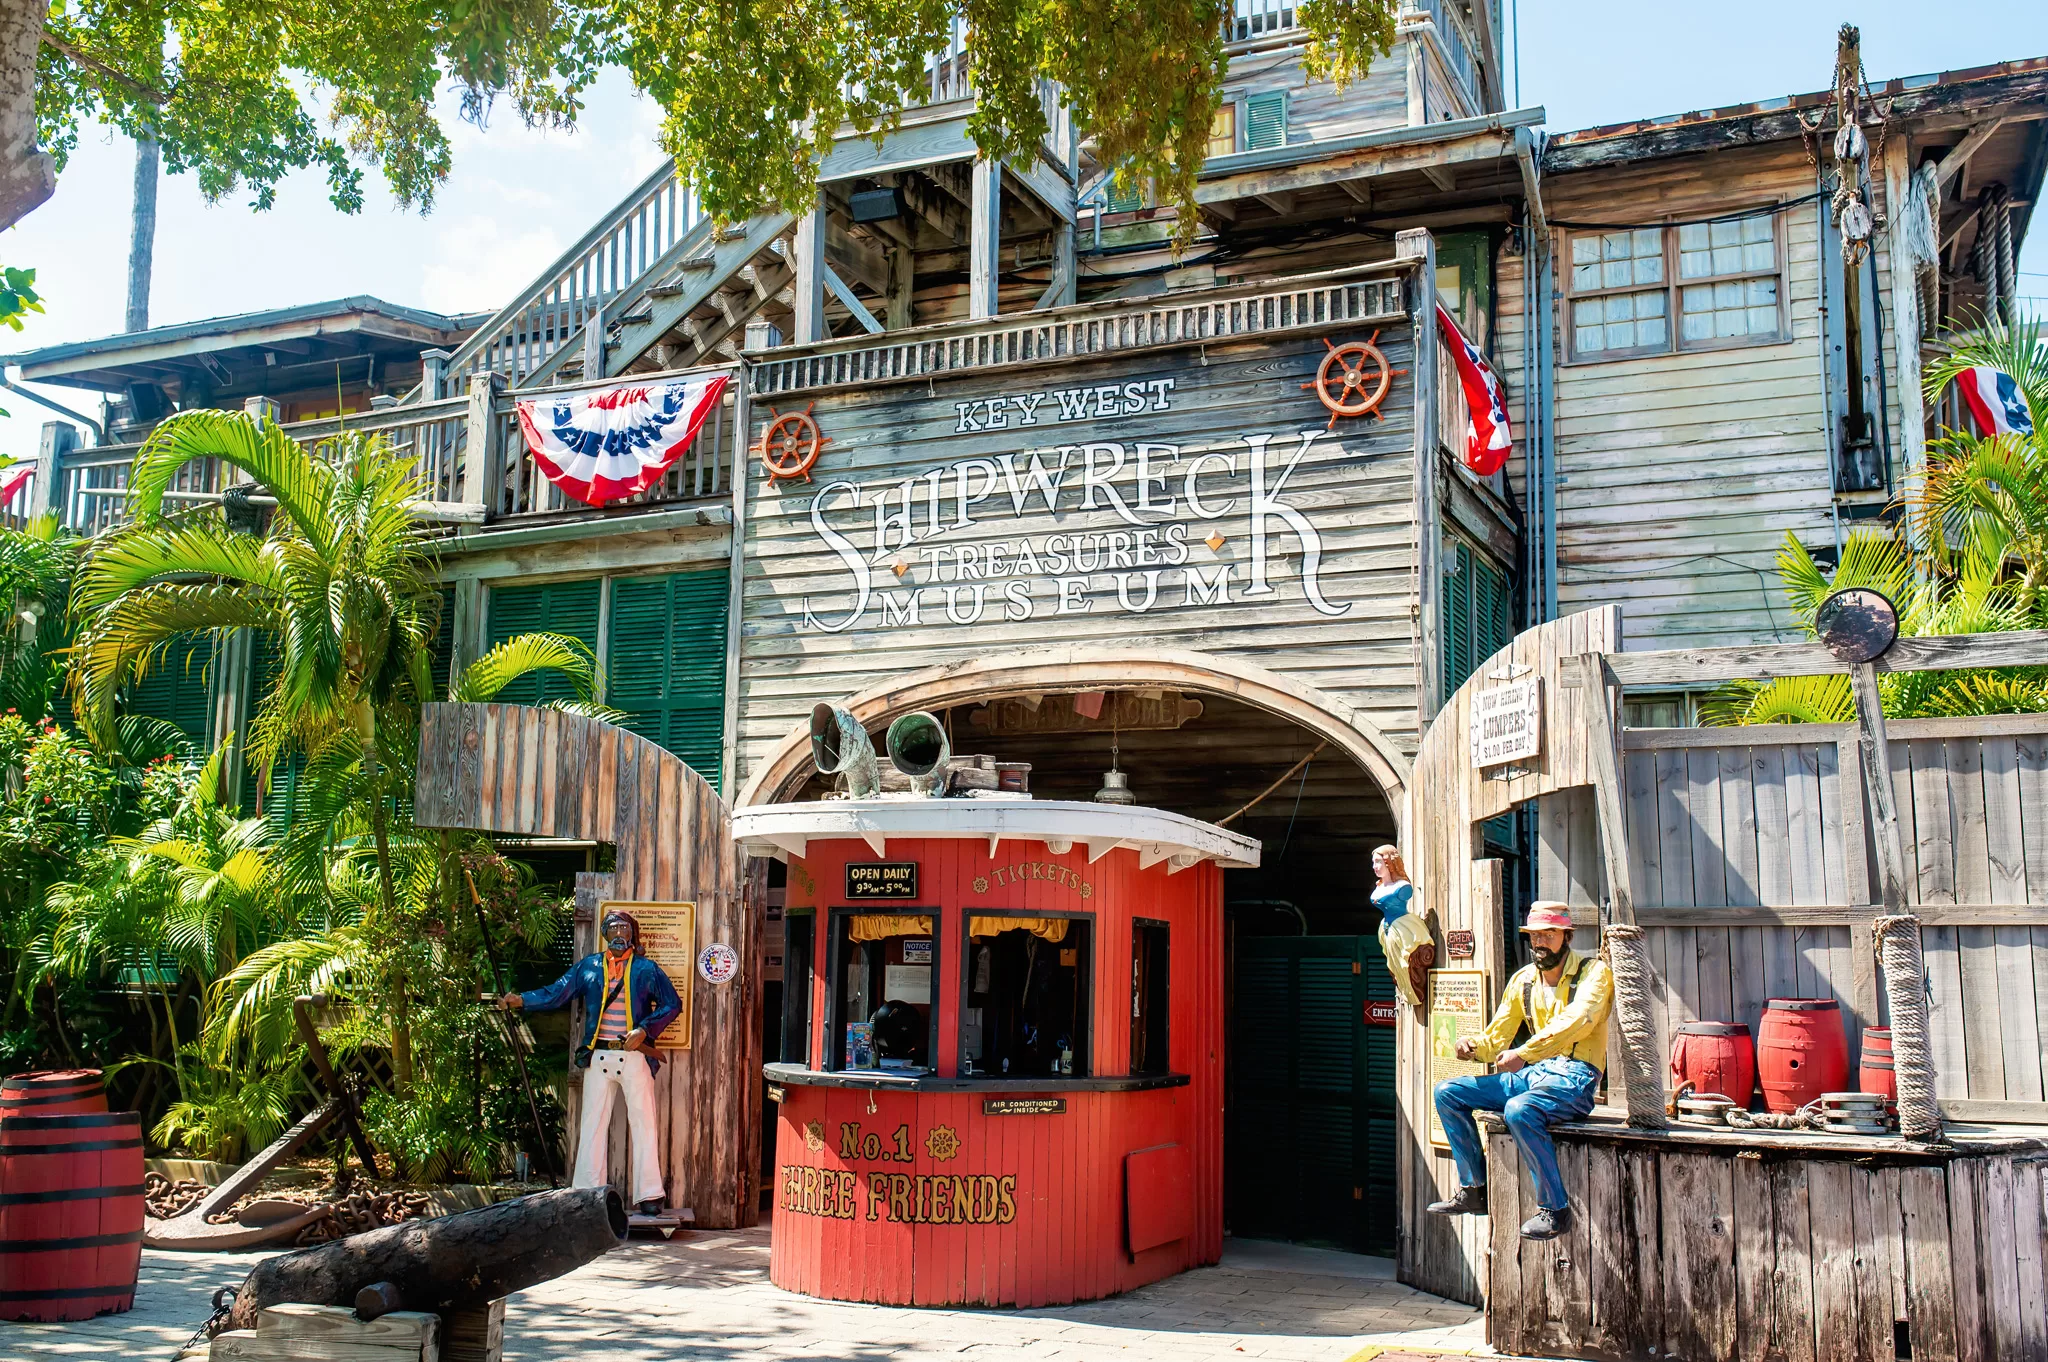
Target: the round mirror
pixel 1857 624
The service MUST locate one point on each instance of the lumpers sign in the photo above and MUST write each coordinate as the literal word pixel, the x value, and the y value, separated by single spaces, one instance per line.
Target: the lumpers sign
pixel 1068 524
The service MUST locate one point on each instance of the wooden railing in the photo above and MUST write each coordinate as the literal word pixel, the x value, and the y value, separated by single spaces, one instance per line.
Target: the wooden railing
pixel 1454 42
pixel 1257 21
pixel 441 436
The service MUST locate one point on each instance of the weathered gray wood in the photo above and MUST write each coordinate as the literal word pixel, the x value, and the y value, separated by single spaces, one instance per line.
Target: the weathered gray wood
pixel 1699 1255
pixel 1700 667
pixel 1597 701
pixel 2030 1237
pixel 1756 1260
pixel 1834 1260
pixel 1875 758
pixel 1506 1315
pixel 1966 1259
pixel 2001 1257
pixel 1930 1280
pixel 1873 1226
pixel 984 239
pixel 807 258
pixel 1792 1271
pixel 474 1334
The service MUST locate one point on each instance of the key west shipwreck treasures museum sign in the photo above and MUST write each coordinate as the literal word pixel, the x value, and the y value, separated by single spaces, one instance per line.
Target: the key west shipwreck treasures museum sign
pixel 1163 475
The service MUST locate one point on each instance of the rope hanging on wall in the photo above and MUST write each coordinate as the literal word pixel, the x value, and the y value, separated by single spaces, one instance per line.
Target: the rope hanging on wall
pixel 1905 988
pixel 1641 1071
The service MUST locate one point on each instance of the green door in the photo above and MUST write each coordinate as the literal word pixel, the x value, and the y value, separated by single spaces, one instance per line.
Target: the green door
pixel 1309 1136
pixel 665 662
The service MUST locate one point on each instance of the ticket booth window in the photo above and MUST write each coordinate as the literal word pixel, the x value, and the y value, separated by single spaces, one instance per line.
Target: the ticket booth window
pixel 799 942
pixel 1025 992
pixel 1148 997
pixel 883 991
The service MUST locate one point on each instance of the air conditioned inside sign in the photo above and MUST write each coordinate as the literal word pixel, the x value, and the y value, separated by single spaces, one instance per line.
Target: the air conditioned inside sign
pixel 1507 723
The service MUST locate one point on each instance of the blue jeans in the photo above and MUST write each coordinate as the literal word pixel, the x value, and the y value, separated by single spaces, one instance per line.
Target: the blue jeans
pixel 1532 1099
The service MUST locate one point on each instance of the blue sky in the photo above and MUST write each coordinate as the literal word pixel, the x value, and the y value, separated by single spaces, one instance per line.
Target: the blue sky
pixel 517 198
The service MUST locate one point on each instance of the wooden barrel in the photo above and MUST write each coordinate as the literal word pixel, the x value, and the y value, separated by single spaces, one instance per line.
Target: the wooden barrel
pixel 1801 1051
pixel 70 1214
pixel 1716 1057
pixel 53 1092
pixel 1874 1071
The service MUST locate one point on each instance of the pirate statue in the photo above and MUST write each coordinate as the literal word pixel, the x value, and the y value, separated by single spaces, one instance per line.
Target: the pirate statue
pixel 627 1000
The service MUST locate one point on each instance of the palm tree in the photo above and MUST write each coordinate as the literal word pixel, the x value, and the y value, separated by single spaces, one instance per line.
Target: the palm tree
pixel 35 565
pixel 342 584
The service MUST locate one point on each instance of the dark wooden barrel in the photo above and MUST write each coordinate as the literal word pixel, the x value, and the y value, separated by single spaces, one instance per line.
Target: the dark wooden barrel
pixel 1874 1072
pixel 70 1214
pixel 53 1092
pixel 1801 1051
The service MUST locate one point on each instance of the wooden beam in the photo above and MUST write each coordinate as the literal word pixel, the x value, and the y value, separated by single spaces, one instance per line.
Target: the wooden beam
pixel 764 279
pixel 1677 667
pixel 902 288
pixel 844 293
pixel 1442 176
pixel 1821 914
pixel 1358 190
pixel 940 211
pixel 1281 201
pixel 807 257
pixel 984 244
pixel 1597 705
pixel 1059 291
pixel 855 260
pixel 1876 761
pixel 1951 165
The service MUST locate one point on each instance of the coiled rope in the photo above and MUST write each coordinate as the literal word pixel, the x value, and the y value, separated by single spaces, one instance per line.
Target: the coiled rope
pixel 1641 1071
pixel 1905 988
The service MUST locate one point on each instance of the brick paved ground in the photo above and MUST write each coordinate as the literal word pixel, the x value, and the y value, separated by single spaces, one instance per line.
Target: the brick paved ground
pixel 706 1298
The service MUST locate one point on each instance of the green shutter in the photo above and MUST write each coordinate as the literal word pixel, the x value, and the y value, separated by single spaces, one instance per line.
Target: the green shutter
pixel 557 608
pixel 283 793
pixel 1265 120
pixel 665 662
pixel 1125 201
pixel 178 687
pixel 444 645
pixel 1456 624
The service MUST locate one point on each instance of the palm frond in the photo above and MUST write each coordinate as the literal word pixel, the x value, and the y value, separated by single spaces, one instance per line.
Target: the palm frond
pixel 262 450
pixel 1786 700
pixel 520 656
pixel 2018 350
pixel 120 643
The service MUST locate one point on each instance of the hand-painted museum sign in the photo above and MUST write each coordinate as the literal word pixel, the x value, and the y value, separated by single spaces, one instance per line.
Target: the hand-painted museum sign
pixel 1507 723
pixel 884 1194
pixel 881 880
pixel 1146 518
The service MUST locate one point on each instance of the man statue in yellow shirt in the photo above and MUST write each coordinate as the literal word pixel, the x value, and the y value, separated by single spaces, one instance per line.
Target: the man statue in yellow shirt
pixel 1548 1044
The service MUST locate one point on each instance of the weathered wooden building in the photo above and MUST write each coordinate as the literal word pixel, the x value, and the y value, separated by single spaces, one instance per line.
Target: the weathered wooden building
pixel 1078 494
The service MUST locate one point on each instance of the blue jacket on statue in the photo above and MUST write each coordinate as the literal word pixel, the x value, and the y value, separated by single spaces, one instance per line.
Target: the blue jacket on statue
pixel 651 1001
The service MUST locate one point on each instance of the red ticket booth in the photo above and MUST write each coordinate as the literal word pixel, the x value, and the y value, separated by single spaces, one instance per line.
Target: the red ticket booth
pixel 1013 1091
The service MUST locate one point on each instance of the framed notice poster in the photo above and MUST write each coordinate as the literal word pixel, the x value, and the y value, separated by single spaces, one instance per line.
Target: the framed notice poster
pixel 668 933
pixel 1457 1009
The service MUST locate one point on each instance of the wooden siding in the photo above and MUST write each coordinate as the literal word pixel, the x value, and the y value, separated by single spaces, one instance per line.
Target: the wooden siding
pixel 1687 1250
pixel 543 773
pixel 1355 486
pixel 1448 1254
pixel 1066 1241
pixel 1680 474
pixel 1768 824
pixel 1316 109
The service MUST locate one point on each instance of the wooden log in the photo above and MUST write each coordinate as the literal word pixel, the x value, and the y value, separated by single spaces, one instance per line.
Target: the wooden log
pixel 449 1262
pixel 474 1334
pixel 1877 780
pixel 330 1333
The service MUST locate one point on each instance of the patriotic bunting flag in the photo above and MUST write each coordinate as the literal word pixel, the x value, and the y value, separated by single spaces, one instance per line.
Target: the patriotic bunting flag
pixel 1998 406
pixel 13 479
pixel 601 446
pixel 1487 438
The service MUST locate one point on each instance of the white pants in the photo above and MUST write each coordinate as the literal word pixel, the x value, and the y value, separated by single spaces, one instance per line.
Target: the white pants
pixel 612 1075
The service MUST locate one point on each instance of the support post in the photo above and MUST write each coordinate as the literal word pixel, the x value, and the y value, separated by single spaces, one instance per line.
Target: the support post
pixel 1059 292
pixel 984 240
pixel 47 492
pixel 1876 761
pixel 593 344
pixel 807 255
pixel 902 285
pixel 483 462
pixel 434 374
pixel 1418 247
pixel 1906 322
pixel 736 565
pixel 261 409
pixel 1595 676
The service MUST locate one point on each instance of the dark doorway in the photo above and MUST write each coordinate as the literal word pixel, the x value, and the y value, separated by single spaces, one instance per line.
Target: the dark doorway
pixel 1310 1124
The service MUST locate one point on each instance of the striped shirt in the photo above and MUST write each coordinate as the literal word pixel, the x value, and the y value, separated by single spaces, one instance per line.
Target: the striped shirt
pixel 618 1017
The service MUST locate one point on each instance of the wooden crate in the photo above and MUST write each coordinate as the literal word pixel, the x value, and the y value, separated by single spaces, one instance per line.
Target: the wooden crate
pixel 332 1333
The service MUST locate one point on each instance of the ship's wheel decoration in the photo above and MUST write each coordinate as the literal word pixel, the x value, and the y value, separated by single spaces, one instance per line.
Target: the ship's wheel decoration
pixel 1353 378
pixel 791 444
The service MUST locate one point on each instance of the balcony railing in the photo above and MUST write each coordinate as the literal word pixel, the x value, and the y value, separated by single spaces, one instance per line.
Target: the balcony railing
pixel 1454 42
pixel 472 460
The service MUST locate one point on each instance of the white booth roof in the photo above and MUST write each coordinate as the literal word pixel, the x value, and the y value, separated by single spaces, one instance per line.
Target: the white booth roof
pixel 785 830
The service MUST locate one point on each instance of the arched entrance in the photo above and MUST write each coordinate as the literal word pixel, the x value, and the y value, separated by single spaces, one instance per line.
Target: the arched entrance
pixel 1073 669
pixel 1310 1133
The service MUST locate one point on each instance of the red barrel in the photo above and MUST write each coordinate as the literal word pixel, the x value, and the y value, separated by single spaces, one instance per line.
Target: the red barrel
pixel 53 1092
pixel 1874 1071
pixel 1801 1051
pixel 70 1214
pixel 1716 1057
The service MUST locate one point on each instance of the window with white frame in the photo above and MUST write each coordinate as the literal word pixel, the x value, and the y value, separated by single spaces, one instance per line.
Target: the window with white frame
pixel 1691 286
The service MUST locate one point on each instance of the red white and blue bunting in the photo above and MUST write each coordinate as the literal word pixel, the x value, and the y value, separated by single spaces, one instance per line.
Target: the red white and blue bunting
pixel 601 446
pixel 1487 438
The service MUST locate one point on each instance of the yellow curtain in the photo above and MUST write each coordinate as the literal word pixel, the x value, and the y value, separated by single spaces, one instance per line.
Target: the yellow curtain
pixel 1051 928
pixel 880 926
